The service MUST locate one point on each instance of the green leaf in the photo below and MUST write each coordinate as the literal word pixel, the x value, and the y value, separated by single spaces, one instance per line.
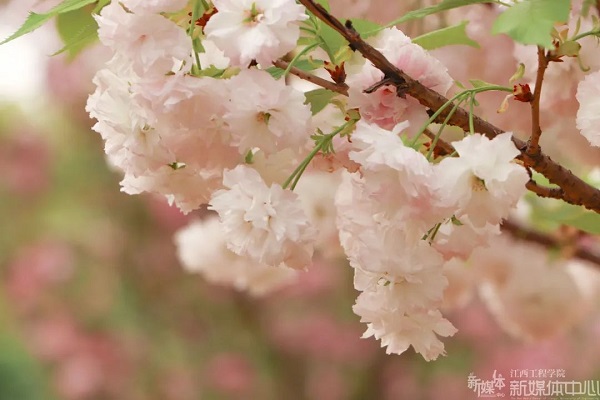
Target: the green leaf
pixel 364 27
pixel 478 83
pixel 318 99
pixel 101 4
pixel 551 215
pixel 532 21
pixel 331 41
pixel 423 12
pixel 451 35
pixel 305 65
pixel 77 29
pixel 34 20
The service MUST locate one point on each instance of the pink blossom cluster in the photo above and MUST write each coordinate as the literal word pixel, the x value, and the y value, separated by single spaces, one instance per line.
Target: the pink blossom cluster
pixel 213 126
pixel 186 137
pixel 401 217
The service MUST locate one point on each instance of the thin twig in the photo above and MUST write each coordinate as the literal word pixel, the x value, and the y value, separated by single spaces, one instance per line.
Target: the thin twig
pixel 533 146
pixel 340 88
pixel 542 191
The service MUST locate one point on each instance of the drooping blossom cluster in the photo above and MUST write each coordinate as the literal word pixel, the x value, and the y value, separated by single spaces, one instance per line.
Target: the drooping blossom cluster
pixel 221 128
pixel 183 136
pixel 387 216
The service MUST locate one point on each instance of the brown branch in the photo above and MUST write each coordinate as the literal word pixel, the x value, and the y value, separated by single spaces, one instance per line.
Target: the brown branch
pixel 443 147
pixel 575 190
pixel 572 248
pixel 533 147
pixel 542 191
pixel 341 88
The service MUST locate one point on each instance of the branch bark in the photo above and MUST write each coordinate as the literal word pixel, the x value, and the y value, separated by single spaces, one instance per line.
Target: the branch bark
pixel 576 250
pixel 340 88
pixel 533 147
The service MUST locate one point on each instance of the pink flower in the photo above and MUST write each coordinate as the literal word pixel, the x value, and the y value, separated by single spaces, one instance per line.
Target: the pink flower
pixel 151 42
pixel 484 182
pixel 265 113
pixel 384 107
pixel 588 116
pixel 260 30
pixel 264 223
pixel 201 248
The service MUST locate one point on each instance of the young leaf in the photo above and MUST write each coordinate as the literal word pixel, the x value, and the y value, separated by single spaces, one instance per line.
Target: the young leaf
pixel 423 12
pixel 451 35
pixel 77 29
pixel 364 27
pixel 34 20
pixel 532 21
pixel 551 215
pixel 477 83
pixel 332 41
pixel 101 4
pixel 318 99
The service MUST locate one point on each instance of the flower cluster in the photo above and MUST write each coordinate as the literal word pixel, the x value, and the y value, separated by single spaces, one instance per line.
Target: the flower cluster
pixel 187 137
pixel 196 112
pixel 389 214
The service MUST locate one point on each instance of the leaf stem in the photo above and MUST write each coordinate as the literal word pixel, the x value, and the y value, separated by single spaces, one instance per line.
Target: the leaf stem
pixel 295 176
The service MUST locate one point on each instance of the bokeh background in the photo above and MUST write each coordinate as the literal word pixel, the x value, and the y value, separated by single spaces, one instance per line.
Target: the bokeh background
pixel 94 304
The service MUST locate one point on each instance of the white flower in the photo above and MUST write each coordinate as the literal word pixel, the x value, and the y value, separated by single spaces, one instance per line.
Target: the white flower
pixel 316 191
pixel 265 223
pixel 265 113
pixel 458 238
pixel 415 281
pixel 130 142
pixel 201 248
pixel 261 30
pixel 484 182
pixel 400 181
pixel 400 330
pixel 588 115
pixel 166 134
pixel 212 56
pixel 530 295
pixel 151 42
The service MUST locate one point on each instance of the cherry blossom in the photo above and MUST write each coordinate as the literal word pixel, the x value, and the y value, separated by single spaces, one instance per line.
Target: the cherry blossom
pixel 264 113
pixel 383 106
pixel 588 116
pixel 264 223
pixel 201 247
pixel 260 30
pixel 151 42
pixel 483 182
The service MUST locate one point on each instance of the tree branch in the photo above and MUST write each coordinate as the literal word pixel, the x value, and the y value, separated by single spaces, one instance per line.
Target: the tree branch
pixel 575 190
pixel 533 147
pixel 576 250
pixel 542 191
pixel 340 88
